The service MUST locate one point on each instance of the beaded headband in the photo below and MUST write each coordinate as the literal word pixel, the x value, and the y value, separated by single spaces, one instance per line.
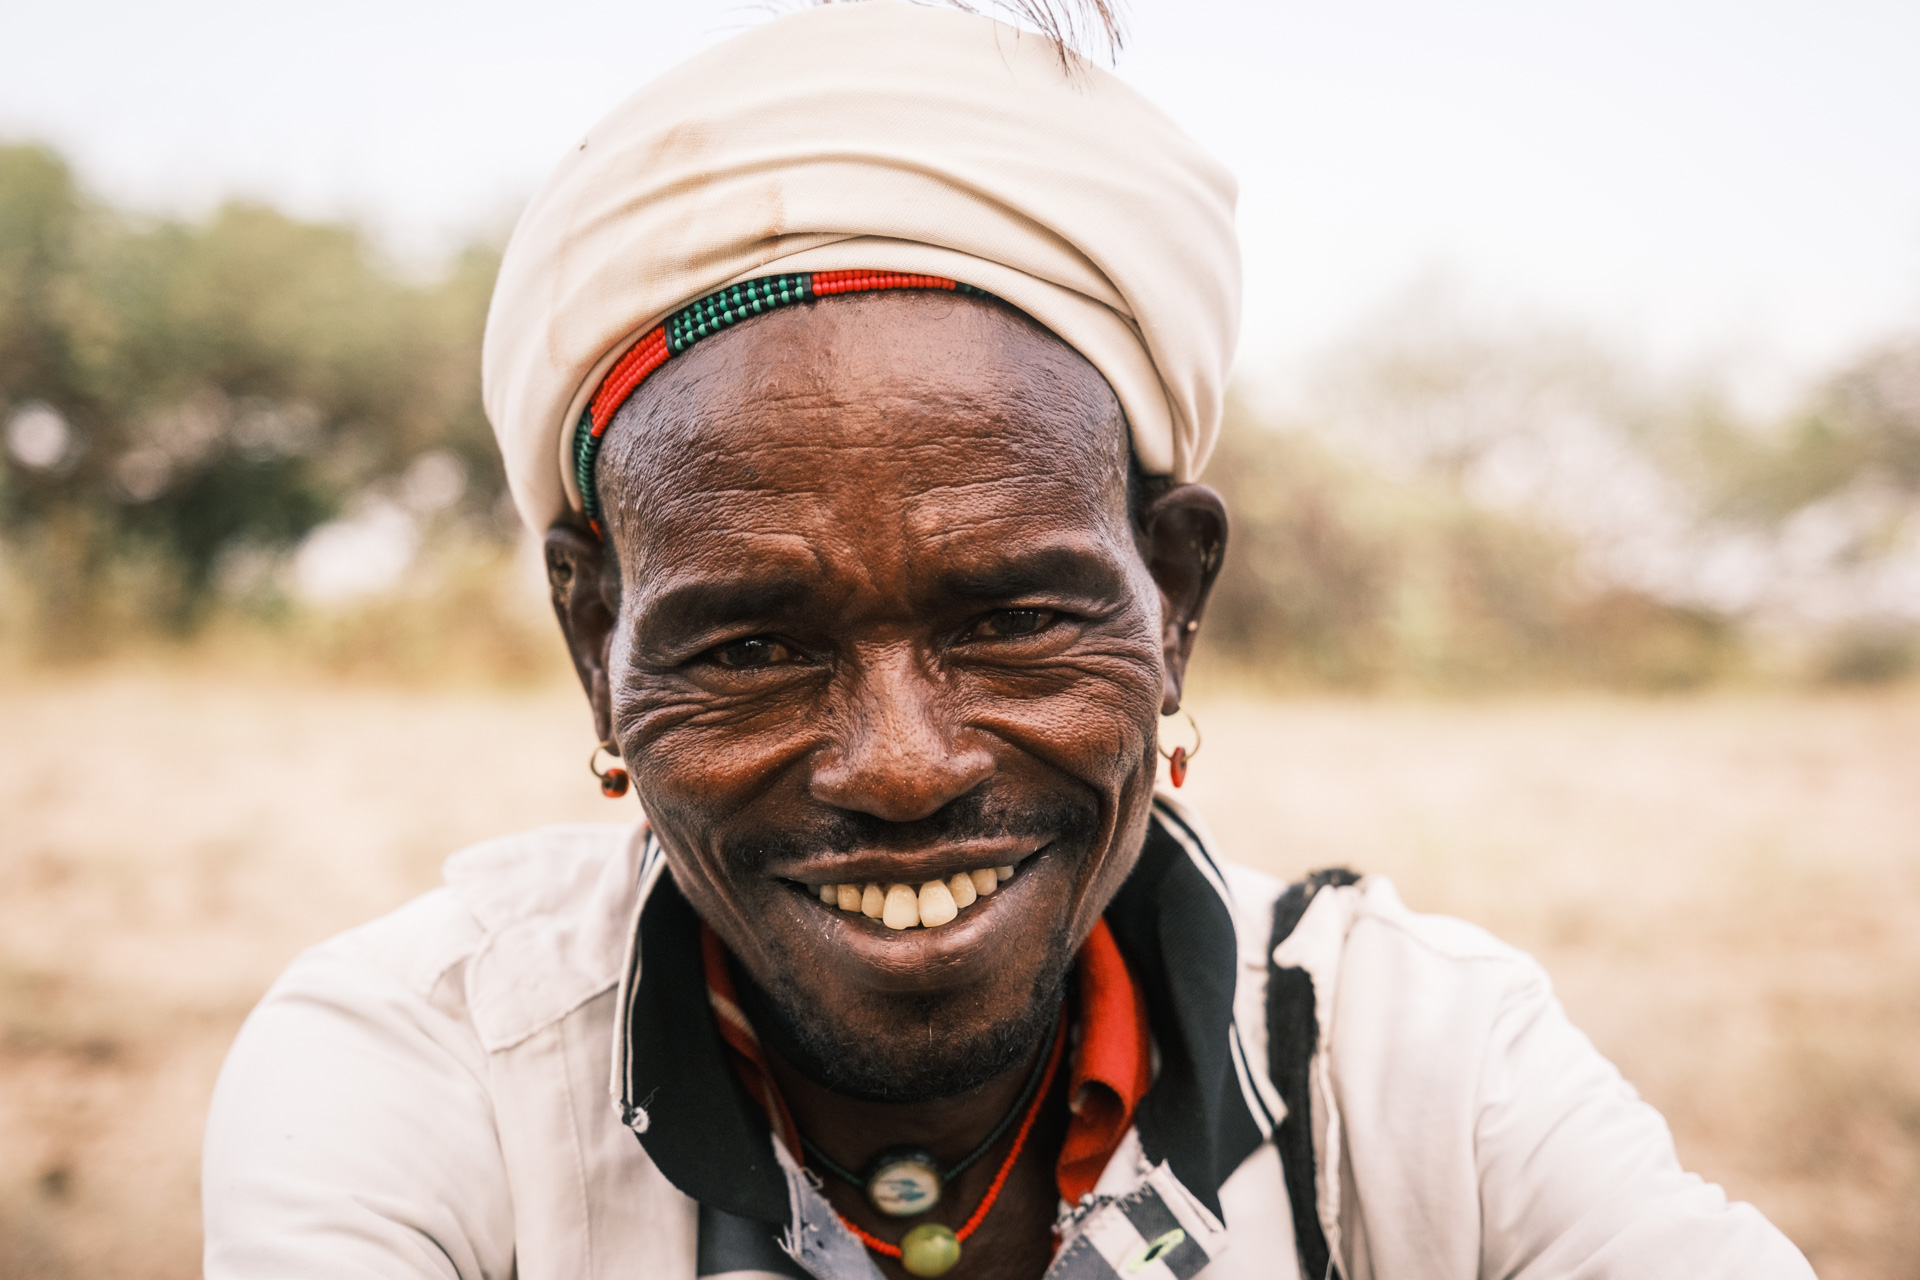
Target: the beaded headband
pixel 702 319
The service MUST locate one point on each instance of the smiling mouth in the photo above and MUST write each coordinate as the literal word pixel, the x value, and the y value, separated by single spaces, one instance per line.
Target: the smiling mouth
pixel 926 905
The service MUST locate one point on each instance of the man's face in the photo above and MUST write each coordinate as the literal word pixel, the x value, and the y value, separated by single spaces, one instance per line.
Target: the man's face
pixel 881 616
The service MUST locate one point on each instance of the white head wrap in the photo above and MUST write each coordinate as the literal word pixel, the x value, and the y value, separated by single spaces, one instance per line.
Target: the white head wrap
pixel 888 136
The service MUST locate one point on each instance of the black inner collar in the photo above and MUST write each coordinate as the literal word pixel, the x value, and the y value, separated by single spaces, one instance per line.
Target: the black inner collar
pixel 1177 935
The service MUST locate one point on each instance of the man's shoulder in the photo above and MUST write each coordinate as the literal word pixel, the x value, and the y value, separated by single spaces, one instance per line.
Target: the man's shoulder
pixel 526 928
pixel 1402 998
pixel 1365 921
pixel 548 872
pixel 1329 919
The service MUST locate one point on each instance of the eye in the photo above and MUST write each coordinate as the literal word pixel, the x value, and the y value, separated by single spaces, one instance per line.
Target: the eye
pixel 1006 624
pixel 753 651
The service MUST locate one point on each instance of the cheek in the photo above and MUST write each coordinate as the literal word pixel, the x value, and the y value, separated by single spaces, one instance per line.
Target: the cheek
pixel 686 827
pixel 1091 714
pixel 1101 741
pixel 698 744
pixel 689 746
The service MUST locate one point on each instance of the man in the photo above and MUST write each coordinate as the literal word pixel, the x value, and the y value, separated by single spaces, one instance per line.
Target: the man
pixel 857 374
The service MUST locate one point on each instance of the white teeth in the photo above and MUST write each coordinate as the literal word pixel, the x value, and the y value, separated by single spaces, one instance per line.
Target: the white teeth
pixel 901 906
pixel 937 906
pixel 902 909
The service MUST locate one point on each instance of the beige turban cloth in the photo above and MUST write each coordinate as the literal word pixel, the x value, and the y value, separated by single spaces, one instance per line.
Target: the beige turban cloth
pixel 879 135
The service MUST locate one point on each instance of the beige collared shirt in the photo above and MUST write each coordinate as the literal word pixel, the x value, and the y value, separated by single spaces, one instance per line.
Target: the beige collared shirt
pixel 428 1096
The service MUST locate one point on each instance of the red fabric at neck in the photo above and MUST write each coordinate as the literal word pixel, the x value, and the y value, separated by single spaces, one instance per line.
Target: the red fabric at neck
pixel 1112 1064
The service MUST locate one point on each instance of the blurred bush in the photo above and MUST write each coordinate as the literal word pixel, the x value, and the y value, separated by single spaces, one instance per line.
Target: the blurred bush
pixel 248 432
pixel 181 399
pixel 1860 431
pixel 1465 501
pixel 1342 576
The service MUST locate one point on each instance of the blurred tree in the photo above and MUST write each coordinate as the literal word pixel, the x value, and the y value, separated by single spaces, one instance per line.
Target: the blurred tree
pixel 174 391
pixel 39 217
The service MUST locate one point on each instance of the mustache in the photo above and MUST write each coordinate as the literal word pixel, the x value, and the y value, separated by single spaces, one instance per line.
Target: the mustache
pixel 1069 819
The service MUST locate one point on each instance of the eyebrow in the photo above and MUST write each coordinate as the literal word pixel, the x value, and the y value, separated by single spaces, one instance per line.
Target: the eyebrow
pixel 1076 567
pixel 707 604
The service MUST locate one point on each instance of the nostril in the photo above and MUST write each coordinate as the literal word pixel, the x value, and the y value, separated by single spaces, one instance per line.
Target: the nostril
pixel 899 782
pixel 897 797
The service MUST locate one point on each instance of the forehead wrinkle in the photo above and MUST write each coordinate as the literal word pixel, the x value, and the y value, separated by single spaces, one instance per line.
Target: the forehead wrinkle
pixel 651 546
pixel 1004 459
pixel 957 422
pixel 920 504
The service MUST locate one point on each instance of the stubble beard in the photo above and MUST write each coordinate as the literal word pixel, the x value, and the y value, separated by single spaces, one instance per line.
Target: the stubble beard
pixel 927 1060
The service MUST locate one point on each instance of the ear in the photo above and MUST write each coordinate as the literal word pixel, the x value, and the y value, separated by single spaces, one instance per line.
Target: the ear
pixel 1185 544
pixel 583 583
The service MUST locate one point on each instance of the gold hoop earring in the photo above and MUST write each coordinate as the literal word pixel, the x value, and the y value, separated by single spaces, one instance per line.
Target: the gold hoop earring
pixel 613 782
pixel 1180 757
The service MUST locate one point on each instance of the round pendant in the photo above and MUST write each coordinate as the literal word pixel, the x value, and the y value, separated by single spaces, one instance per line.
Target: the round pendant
pixel 929 1249
pixel 904 1181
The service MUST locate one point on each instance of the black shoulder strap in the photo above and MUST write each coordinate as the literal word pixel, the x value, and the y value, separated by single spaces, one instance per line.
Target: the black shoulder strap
pixel 1293 1030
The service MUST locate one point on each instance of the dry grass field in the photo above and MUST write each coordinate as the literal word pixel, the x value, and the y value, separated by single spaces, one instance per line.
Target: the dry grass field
pixel 1726 889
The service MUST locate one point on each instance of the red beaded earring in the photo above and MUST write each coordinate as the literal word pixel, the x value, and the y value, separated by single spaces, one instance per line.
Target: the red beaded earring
pixel 1180 757
pixel 613 782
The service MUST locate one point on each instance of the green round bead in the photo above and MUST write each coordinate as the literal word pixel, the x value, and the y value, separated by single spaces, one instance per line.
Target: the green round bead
pixel 929 1249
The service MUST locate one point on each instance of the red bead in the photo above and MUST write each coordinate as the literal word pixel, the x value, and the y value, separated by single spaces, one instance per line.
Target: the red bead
pixel 613 783
pixel 1177 766
pixel 646 355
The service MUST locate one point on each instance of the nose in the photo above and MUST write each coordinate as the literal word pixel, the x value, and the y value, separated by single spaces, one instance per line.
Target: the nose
pixel 901 754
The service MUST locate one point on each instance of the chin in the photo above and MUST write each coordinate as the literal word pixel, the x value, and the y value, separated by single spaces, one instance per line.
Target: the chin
pixel 911 1014
pixel 904 1048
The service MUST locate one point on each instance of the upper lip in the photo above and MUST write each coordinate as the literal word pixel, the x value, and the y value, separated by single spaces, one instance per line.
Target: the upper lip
pixel 908 866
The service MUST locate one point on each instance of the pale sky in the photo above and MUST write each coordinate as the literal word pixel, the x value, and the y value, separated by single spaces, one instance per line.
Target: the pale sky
pixel 1698 180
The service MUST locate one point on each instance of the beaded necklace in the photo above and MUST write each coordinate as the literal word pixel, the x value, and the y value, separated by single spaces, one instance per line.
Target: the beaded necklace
pixel 932 1248
pixel 905 1182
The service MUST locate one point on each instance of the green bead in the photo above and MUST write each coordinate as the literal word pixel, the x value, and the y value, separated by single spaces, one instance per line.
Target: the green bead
pixel 929 1249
